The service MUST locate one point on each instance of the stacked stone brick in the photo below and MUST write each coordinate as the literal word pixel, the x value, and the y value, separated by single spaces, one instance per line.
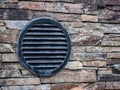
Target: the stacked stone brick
pixel 94 27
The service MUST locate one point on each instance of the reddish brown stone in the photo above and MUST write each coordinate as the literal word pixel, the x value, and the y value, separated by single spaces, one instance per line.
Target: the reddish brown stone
pixel 32 5
pixel 66 86
pixel 74 8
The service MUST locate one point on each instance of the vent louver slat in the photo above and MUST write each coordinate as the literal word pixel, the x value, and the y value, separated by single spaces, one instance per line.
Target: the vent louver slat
pixel 44 46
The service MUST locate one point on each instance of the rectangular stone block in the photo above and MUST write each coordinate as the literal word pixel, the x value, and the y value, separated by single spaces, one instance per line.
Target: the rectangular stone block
pixel 104 71
pixel 109 77
pixel 9 58
pixel 10 73
pixel 58 16
pixel 66 7
pixel 113 61
pixel 99 49
pixel 12 66
pixel 113 55
pixel 112 2
pixel 115 8
pixel 8 5
pixel 1 65
pixel 68 86
pixel 16 14
pixel 10 36
pixel 113 85
pixel 31 5
pixel 29 87
pixel 89 18
pixel 88 56
pixel 1 22
pixel 10 1
pixel 22 81
pixel 5 48
pixel 45 87
pixel 13 24
pixel 110 43
pixel 95 64
pixel 71 76
pixel 86 40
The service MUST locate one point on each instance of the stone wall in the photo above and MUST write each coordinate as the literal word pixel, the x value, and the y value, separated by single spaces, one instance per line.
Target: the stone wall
pixel 94 27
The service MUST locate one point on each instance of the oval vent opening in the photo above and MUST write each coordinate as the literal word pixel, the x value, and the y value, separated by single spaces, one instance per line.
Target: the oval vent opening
pixel 44 46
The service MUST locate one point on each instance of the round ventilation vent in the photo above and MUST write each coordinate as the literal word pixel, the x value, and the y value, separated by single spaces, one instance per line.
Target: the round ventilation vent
pixel 44 46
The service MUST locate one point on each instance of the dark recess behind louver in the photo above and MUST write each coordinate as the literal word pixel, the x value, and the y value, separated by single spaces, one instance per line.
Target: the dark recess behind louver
pixel 44 46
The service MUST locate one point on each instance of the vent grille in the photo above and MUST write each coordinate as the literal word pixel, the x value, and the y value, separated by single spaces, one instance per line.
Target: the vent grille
pixel 44 46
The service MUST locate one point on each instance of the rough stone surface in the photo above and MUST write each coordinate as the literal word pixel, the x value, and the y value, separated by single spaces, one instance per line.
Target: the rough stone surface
pixel 112 2
pixel 113 85
pixel 1 22
pixel 105 71
pixel 12 66
pixel 89 18
pixel 9 36
pixel 32 5
pixel 67 8
pixel 9 73
pixel 94 28
pixel 74 65
pixel 45 87
pixel 99 49
pixel 87 40
pixel 113 55
pixel 1 62
pixel 9 1
pixel 21 81
pixel 95 64
pixel 29 87
pixel 109 77
pixel 67 86
pixel 67 76
pixel 6 48
pixel 16 14
pixel 15 24
pixel 110 43
pixel 88 56
pixel 9 58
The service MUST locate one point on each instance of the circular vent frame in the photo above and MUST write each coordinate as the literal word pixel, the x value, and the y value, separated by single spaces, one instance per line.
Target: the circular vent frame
pixel 44 46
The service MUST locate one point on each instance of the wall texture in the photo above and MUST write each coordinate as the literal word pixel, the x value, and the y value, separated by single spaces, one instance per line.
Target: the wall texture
pixel 94 27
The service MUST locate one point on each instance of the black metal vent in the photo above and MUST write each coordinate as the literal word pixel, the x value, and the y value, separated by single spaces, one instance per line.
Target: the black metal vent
pixel 44 46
